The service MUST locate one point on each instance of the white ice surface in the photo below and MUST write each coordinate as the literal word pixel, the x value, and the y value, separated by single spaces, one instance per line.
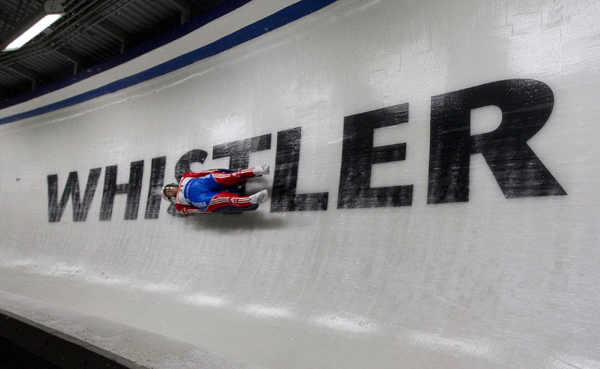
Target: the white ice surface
pixel 490 283
pixel 130 347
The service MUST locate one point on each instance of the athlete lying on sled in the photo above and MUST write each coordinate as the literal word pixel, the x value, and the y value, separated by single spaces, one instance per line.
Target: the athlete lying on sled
pixel 214 191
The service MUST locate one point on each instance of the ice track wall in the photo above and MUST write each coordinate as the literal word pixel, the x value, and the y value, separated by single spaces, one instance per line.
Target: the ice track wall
pixel 434 194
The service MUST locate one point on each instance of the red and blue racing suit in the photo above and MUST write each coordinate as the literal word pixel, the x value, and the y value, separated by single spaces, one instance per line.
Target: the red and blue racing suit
pixel 208 191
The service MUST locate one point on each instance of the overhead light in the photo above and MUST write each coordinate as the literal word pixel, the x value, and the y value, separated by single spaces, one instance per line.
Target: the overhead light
pixel 33 31
pixel 53 11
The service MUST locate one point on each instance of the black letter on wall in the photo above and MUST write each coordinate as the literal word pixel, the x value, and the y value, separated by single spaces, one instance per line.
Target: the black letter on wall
pixel 526 106
pixel 157 178
pixel 183 166
pixel 239 153
pixel 358 156
pixel 80 209
pixel 133 190
pixel 287 160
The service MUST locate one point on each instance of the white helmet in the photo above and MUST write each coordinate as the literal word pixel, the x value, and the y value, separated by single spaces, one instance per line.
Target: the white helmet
pixel 164 196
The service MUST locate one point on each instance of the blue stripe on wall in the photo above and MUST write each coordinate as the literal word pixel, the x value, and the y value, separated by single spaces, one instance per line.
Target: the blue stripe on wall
pixel 265 25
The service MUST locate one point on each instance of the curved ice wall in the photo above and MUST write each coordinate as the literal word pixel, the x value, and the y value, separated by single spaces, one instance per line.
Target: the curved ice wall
pixel 434 193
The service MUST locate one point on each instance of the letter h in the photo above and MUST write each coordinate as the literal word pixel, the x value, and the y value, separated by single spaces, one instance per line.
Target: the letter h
pixel 133 190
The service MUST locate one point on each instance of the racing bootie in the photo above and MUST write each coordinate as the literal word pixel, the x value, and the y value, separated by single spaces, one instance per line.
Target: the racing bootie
pixel 259 197
pixel 262 170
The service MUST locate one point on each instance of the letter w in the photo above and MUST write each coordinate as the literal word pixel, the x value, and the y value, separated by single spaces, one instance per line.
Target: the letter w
pixel 80 209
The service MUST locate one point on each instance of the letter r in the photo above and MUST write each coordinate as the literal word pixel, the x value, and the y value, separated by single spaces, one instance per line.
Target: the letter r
pixel 526 106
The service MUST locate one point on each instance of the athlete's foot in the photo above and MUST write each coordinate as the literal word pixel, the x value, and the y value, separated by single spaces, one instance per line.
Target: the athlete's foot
pixel 259 197
pixel 262 170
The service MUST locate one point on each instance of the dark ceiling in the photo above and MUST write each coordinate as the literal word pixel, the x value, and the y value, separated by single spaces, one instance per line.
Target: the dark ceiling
pixel 91 32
